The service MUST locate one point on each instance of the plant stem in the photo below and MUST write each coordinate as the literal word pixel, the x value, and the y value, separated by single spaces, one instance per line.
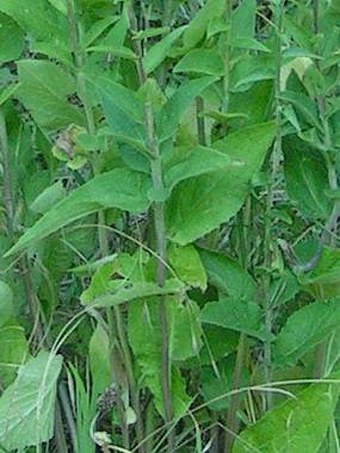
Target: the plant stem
pixel 159 222
pixel 232 422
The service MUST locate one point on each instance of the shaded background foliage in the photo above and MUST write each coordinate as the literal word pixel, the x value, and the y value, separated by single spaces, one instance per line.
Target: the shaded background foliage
pixel 169 225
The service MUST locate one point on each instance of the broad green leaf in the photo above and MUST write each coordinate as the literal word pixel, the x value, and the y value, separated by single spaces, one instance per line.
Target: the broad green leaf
pixel 185 329
pixel 201 61
pixel 98 28
pixel 159 51
pixel 10 49
pixel 122 108
pixel 187 264
pixel 145 340
pixel 198 26
pixel 27 405
pixel 201 204
pixel 306 178
pixel 252 69
pixel 48 198
pixel 179 102
pixel 324 280
pixel 218 342
pixel 294 426
pixel 99 357
pixel 305 106
pixel 198 161
pixel 127 292
pixel 119 188
pixel 6 303
pixel 238 314
pixel 52 110
pixel 37 19
pixel 243 20
pixel 13 352
pixel 227 275
pixel 304 329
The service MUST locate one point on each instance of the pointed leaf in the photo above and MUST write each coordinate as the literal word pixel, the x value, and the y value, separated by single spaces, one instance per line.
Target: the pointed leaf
pixel 227 275
pixel 235 314
pixel 179 102
pixel 201 61
pixel 201 204
pixel 119 188
pixel 304 329
pixel 306 178
pixel 158 52
pixel 52 110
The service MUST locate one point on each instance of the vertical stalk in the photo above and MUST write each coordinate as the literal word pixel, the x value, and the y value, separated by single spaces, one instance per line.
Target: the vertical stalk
pixel 225 51
pixel 200 121
pixel 159 223
pixel 273 170
pixel 232 422
pixel 116 322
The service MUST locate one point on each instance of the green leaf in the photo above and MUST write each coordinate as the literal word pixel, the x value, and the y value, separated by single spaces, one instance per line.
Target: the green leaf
pixel 10 49
pixel 198 26
pixel 243 20
pixel 305 106
pixel 201 61
pixel 98 28
pixel 198 161
pixel 179 102
pixel 99 357
pixel 13 352
pixel 236 314
pixel 145 340
pixel 7 92
pixel 227 275
pixel 201 204
pixel 188 266
pixel 6 303
pixel 185 329
pixel 158 52
pixel 122 108
pixel 293 426
pixel 27 405
pixel 251 69
pixel 324 280
pixel 37 19
pixel 248 43
pixel 304 329
pixel 60 5
pixel 115 51
pixel 119 188
pixel 150 33
pixel 48 198
pixel 52 110
pixel 306 178
pixel 127 292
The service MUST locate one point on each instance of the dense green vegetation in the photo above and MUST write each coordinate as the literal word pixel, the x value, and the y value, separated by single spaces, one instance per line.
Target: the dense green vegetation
pixel 170 264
